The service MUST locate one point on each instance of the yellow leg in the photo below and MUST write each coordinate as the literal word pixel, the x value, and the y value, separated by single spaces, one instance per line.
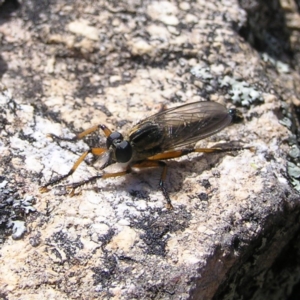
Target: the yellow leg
pixel 95 151
pixel 76 185
pixel 182 152
pixel 81 135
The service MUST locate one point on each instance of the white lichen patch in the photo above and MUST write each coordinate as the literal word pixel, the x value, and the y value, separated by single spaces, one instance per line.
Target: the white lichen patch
pixel 202 72
pixel 240 91
pixel 18 228
pixel 280 66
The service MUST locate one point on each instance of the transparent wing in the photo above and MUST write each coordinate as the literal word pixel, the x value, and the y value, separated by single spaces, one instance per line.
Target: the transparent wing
pixel 187 124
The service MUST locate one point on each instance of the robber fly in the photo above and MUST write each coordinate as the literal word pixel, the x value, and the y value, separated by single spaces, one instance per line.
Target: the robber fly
pixel 168 134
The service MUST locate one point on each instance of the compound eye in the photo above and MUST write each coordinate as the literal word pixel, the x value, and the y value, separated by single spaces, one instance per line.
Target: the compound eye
pixel 236 115
pixel 123 152
pixel 114 137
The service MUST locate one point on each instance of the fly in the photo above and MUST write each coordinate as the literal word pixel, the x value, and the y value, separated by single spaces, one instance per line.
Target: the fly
pixel 168 134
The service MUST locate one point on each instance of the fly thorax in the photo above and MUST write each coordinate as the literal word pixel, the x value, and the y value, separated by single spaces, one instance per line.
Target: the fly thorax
pixel 148 137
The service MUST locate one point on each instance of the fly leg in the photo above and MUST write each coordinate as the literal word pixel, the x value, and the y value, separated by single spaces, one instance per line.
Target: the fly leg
pixel 154 161
pixel 81 135
pixel 56 180
pixel 151 164
pixel 182 152
pixel 143 164
pixel 94 151
pixel 76 185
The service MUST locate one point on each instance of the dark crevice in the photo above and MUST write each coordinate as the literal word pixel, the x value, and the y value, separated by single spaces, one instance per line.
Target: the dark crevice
pixel 266 29
pixel 7 8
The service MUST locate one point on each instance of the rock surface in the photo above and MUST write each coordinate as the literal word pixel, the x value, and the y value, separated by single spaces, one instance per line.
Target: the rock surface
pixel 66 66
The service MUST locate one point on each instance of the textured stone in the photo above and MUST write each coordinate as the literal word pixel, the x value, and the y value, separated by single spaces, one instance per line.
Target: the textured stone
pixel 67 66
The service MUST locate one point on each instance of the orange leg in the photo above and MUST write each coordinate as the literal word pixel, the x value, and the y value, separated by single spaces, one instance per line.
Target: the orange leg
pixel 143 164
pixel 75 185
pixel 95 151
pixel 182 152
pixel 155 161
pixel 81 135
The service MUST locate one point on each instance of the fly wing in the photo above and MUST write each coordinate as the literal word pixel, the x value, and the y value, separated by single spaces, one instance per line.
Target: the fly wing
pixel 187 124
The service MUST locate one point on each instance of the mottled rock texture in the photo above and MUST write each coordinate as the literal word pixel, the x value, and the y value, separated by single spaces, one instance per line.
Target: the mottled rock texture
pixel 68 65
